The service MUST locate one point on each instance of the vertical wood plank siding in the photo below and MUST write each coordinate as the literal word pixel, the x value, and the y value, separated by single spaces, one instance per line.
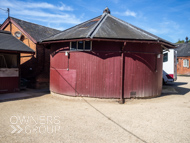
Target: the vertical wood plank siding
pixel 10 78
pixel 98 73
pixel 9 84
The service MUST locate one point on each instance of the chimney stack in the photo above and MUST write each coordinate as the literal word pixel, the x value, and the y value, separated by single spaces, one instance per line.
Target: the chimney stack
pixel 106 10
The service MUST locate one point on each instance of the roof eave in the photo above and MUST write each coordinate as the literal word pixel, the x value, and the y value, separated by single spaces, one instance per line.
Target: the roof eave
pixel 12 51
pixel 109 39
pixel 6 22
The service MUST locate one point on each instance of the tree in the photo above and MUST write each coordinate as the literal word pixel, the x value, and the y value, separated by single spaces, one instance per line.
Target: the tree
pixel 183 41
pixel 180 41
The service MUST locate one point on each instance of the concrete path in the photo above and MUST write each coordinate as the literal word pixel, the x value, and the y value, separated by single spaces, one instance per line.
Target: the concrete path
pixel 56 119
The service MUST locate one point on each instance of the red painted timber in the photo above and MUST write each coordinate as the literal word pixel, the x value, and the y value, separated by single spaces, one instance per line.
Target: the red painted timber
pixel 63 81
pixel 9 84
pixel 98 73
pixel 143 72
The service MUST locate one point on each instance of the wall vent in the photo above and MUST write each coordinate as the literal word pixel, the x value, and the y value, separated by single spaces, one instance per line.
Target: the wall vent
pixel 133 93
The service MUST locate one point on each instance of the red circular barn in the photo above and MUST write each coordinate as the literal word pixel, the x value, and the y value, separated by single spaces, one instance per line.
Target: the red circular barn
pixel 106 57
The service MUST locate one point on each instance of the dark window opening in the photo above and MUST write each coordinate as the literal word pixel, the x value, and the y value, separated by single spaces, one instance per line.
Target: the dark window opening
pixel 8 61
pixel 22 38
pixel 80 45
pixel 87 45
pixel 2 62
pixel 73 45
pixel 165 57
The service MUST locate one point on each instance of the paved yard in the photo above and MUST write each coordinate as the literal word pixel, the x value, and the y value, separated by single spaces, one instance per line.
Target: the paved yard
pixel 48 118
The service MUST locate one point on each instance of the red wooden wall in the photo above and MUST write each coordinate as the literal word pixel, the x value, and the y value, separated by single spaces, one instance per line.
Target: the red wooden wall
pixel 143 71
pixel 98 73
pixel 9 84
pixel 9 78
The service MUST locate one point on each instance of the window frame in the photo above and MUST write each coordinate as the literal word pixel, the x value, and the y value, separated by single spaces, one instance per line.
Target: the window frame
pixel 73 49
pixel 167 57
pixel 185 63
pixel 84 44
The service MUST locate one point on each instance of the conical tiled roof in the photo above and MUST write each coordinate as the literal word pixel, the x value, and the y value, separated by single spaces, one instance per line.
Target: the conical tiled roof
pixel 105 26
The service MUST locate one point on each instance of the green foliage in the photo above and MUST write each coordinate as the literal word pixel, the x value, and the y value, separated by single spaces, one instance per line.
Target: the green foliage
pixel 180 41
pixel 183 41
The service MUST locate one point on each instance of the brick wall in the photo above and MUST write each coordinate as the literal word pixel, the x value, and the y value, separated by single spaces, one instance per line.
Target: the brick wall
pixel 180 69
pixel 33 67
pixel 43 59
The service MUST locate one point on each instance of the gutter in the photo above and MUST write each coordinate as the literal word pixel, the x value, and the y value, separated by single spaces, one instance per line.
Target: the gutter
pixel 113 40
pixel 9 51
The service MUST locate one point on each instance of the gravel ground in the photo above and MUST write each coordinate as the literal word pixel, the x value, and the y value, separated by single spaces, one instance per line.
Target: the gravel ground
pixel 55 118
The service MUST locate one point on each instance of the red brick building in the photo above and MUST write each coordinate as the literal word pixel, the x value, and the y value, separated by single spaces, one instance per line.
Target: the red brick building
pixel 35 67
pixel 183 58
pixel 10 50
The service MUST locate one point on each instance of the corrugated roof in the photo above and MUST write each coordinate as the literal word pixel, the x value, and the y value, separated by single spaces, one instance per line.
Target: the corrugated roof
pixel 183 50
pixel 106 27
pixel 36 31
pixel 10 43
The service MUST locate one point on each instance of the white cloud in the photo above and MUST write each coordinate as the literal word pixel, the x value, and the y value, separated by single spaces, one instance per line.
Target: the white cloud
pixel 64 7
pixel 34 5
pixel 130 13
pixel 126 13
pixel 43 12
pixel 45 16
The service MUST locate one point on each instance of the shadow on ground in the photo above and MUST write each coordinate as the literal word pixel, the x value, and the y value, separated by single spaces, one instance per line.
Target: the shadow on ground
pixel 174 89
pixel 23 94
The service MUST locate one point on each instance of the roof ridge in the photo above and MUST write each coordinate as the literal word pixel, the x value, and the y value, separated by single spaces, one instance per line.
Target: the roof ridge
pixel 96 26
pixel 34 23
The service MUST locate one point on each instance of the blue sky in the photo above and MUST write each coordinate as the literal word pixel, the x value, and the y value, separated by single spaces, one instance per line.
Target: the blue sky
pixel 168 19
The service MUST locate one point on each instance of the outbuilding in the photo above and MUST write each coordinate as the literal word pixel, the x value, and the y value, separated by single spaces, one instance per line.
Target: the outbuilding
pixel 10 50
pixel 106 57
pixel 183 58
pixel 34 68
